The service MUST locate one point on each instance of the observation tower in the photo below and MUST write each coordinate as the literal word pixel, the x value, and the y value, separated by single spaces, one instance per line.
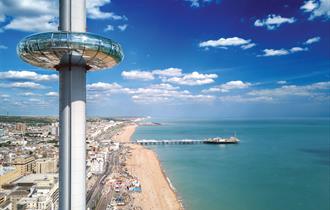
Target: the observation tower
pixel 72 52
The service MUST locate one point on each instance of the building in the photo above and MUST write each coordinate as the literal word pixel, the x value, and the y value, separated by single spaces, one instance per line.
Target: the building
pixel 2 198
pixel 18 194
pixel 114 146
pixel 97 165
pixel 46 165
pixel 41 199
pixel 24 164
pixel 54 129
pixel 5 203
pixel 2 132
pixel 21 127
pixel 8 174
pixel 43 194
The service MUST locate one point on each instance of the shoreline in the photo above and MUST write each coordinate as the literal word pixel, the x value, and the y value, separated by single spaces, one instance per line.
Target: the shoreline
pixel 143 163
pixel 168 180
pixel 170 184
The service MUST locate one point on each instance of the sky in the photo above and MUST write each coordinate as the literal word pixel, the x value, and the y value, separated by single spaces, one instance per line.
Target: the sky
pixel 183 59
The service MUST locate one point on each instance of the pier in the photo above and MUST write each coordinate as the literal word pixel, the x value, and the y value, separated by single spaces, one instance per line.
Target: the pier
pixel 182 141
pixel 231 140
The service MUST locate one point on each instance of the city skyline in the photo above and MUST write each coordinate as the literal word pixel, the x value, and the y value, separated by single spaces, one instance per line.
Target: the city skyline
pixel 255 60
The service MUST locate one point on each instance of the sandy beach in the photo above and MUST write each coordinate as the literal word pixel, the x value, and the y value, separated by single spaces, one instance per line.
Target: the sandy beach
pixel 144 164
pixel 124 136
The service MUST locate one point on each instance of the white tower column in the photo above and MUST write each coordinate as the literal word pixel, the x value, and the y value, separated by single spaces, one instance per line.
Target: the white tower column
pixel 65 139
pixel 78 139
pixel 73 15
pixel 72 174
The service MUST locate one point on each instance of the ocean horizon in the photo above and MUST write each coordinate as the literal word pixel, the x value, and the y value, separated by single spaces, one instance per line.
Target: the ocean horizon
pixel 279 163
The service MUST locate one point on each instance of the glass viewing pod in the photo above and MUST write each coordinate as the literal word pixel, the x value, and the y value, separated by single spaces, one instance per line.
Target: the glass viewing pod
pixel 46 50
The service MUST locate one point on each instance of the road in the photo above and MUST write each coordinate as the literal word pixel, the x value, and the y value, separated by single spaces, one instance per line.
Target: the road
pixel 108 191
pixel 101 193
pixel 95 193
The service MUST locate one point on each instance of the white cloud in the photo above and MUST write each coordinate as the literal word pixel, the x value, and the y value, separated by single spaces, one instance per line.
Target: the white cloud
pixel 309 6
pixel 192 79
pixel 156 93
pixel 231 85
pixel 161 94
pixel 109 28
pixel 198 3
pixel 94 10
pixel 138 75
pixel 164 86
pixel 32 102
pixel 28 85
pixel 273 21
pixel 194 3
pixel 33 24
pixel 293 90
pixel 102 86
pixel 29 94
pixel 4 96
pixel 171 75
pixel 297 49
pixel 3 47
pixel 281 82
pixel 272 52
pixel 316 92
pixel 169 72
pixel 29 15
pixel 241 99
pixel 28 8
pixel 27 75
pixel 123 27
pixel 317 8
pixel 280 52
pixel 227 42
pixel 112 28
pixel 31 85
pixel 52 94
pixel 312 40
pixel 101 90
pixel 248 46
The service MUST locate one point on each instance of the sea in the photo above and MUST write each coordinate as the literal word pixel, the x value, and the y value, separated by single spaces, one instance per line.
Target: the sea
pixel 281 164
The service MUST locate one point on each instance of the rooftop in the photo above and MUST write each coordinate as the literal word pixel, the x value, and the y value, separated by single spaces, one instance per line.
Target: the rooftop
pixel 34 178
pixel 4 170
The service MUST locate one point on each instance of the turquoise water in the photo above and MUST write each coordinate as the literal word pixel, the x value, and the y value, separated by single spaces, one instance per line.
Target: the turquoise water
pixel 278 165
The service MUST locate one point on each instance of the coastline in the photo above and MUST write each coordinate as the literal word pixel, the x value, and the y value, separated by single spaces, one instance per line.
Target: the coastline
pixel 143 163
pixel 170 184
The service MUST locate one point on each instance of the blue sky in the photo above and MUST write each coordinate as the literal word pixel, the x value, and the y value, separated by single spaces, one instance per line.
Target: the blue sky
pixel 184 59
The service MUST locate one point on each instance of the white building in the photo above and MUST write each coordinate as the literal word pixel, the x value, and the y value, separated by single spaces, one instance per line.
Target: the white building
pixel 44 194
pixel 97 165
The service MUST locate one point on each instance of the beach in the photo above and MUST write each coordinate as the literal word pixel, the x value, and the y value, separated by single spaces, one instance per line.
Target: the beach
pixel 124 135
pixel 144 164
